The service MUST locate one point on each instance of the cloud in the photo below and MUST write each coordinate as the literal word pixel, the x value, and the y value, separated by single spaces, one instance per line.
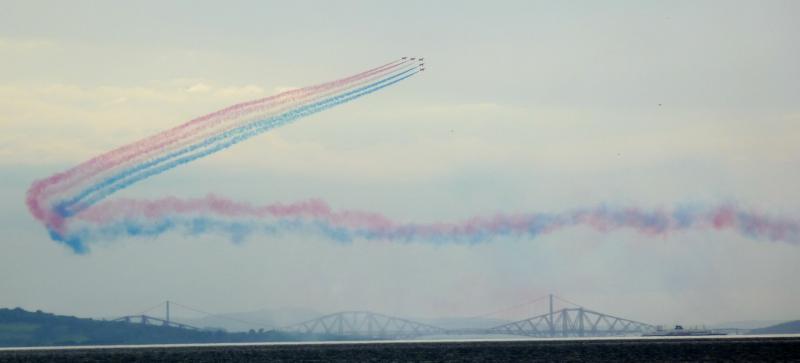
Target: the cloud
pixel 199 87
pixel 240 91
pixel 281 89
pixel 63 122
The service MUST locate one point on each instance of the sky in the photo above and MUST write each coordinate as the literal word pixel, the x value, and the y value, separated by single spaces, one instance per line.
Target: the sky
pixel 525 106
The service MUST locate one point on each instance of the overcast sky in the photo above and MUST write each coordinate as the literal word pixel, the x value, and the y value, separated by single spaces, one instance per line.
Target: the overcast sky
pixel 525 107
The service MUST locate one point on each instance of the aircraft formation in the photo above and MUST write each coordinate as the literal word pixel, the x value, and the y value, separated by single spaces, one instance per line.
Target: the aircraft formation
pixel 420 60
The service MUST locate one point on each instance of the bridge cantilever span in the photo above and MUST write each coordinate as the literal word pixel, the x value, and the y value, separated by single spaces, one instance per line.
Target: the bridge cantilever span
pixel 573 322
pixel 363 324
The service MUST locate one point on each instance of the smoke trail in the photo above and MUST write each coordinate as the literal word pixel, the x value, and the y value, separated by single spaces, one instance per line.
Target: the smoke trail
pixel 73 207
pixel 237 220
pixel 53 213
pixel 163 139
pixel 213 145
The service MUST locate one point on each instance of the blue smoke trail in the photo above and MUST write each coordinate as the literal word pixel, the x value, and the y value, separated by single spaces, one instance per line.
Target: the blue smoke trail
pixel 128 177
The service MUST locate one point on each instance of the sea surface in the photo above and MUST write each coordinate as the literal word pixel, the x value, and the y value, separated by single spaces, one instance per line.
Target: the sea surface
pixel 784 348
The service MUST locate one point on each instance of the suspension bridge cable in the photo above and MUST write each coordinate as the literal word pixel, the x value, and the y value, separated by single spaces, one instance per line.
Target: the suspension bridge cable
pixel 219 316
pixel 567 301
pixel 151 308
pixel 508 308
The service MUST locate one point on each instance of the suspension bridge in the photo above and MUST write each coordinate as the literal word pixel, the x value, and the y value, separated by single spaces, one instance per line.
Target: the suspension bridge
pixel 568 321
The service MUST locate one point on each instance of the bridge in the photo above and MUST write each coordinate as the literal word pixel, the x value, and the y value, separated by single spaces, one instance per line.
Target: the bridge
pixel 576 321
pixel 151 320
pixel 362 325
pixel 144 319
pixel 566 322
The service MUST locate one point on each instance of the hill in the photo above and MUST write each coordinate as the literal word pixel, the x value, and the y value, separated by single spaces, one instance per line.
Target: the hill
pixel 789 327
pixel 464 323
pixel 260 319
pixel 19 327
pixel 744 324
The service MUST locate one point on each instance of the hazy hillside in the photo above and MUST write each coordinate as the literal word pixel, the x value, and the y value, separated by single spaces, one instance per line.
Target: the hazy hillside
pixel 464 323
pixel 24 328
pixel 262 319
pixel 745 324
pixel 790 327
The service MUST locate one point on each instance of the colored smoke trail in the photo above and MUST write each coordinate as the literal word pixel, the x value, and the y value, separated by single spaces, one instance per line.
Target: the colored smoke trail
pixel 127 217
pixel 211 145
pixel 73 207
pixel 184 134
pixel 54 200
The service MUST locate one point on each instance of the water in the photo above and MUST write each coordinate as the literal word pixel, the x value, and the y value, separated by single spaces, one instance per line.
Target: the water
pixel 653 349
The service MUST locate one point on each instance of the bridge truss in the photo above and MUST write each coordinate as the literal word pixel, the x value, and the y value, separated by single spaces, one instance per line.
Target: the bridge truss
pixel 573 322
pixel 363 324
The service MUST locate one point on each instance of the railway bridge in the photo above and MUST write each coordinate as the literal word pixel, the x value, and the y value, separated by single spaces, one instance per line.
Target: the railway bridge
pixel 576 321
pixel 565 322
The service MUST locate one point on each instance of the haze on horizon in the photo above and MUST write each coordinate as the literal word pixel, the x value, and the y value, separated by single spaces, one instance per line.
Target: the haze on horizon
pixel 525 106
